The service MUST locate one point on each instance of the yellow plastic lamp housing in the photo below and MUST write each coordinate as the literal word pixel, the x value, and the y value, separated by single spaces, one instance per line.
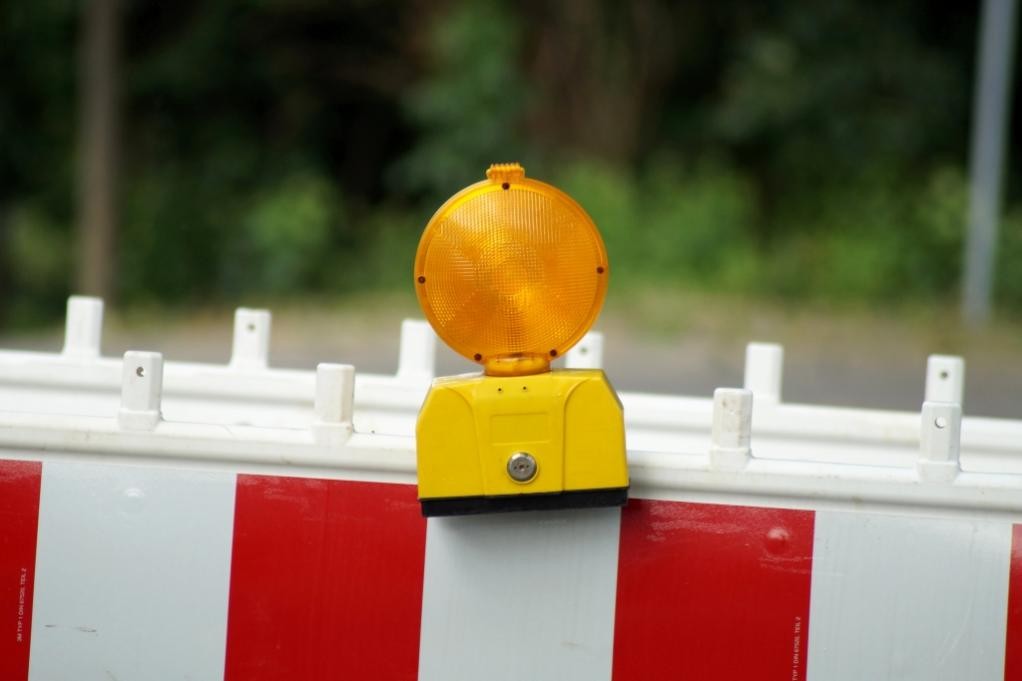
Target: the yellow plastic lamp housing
pixel 511 273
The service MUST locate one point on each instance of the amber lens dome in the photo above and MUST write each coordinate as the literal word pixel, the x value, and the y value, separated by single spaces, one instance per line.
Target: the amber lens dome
pixel 511 272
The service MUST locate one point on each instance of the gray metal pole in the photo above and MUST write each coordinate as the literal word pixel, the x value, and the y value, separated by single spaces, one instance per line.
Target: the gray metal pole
pixel 989 130
pixel 98 153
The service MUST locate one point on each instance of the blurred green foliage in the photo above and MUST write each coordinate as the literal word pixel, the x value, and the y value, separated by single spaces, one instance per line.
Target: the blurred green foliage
pixel 467 105
pixel 271 149
pixel 669 224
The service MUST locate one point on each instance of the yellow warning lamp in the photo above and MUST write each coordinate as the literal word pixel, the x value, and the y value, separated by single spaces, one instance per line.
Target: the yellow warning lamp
pixel 511 273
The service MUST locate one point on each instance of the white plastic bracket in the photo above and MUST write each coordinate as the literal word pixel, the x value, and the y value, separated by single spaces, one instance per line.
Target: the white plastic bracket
pixel 764 370
pixel 141 391
pixel 335 399
pixel 251 346
pixel 945 378
pixel 587 354
pixel 940 442
pixel 83 327
pixel 417 355
pixel 731 436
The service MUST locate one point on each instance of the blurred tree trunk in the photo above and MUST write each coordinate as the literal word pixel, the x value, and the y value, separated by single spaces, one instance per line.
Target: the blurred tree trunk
pixel 98 148
pixel 605 63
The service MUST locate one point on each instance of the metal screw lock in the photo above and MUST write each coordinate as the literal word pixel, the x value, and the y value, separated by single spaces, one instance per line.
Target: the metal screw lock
pixel 521 467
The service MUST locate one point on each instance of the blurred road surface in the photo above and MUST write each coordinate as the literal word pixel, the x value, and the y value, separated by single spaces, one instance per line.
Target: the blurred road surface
pixel 673 346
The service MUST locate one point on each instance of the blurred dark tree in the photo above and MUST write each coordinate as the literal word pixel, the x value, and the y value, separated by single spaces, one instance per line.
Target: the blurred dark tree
pixel 468 106
pixel 841 93
pixel 606 65
pixel 251 121
pixel 274 148
pixel 37 104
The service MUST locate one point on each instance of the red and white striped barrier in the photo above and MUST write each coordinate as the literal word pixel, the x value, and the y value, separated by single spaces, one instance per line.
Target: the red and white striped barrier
pixel 785 541
pixel 142 570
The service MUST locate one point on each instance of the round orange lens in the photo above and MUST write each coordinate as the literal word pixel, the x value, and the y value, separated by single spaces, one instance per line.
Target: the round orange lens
pixel 511 272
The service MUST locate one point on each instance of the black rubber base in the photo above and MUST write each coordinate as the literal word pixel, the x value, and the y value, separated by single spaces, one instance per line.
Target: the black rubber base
pixel 592 498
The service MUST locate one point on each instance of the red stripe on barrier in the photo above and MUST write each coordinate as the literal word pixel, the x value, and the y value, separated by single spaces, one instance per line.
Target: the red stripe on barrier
pixel 1013 644
pixel 712 592
pixel 326 580
pixel 19 523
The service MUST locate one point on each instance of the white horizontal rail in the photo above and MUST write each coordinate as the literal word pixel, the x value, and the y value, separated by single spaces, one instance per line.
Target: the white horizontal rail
pixel 246 392
pixel 684 472
pixel 79 381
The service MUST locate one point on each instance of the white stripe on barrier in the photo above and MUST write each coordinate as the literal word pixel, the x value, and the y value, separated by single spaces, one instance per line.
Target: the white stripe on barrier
pixel 913 599
pixel 520 596
pixel 132 573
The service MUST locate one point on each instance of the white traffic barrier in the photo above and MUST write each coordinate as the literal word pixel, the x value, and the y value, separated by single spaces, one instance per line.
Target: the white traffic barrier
pixel 135 543
pixel 242 522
